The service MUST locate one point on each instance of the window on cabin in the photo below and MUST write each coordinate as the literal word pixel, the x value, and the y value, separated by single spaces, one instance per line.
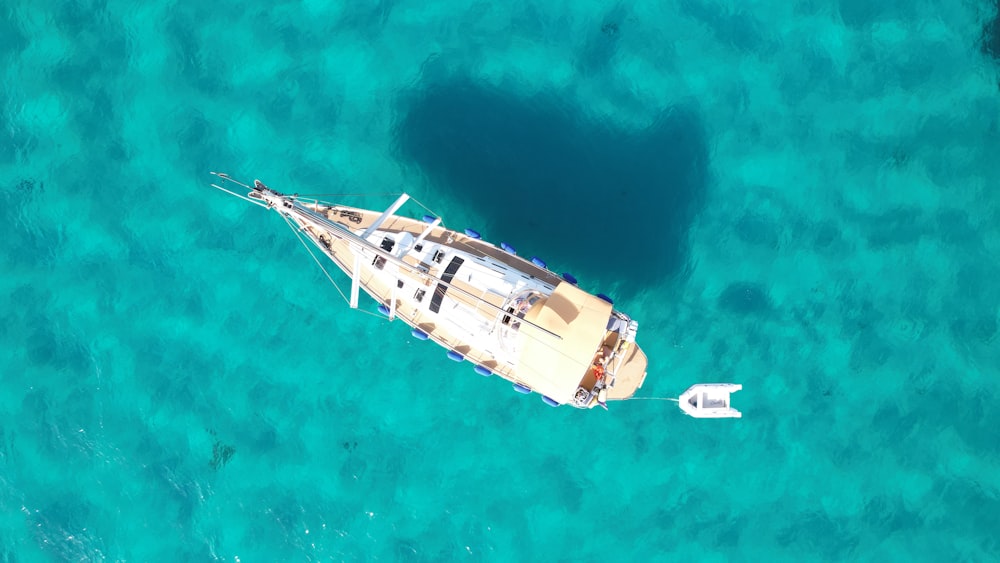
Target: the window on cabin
pixel 506 318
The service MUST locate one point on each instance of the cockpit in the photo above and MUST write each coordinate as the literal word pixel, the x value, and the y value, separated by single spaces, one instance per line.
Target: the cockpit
pixel 518 306
pixel 509 322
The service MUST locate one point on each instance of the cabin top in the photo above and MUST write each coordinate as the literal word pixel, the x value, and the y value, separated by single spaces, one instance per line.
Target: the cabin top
pixel 556 366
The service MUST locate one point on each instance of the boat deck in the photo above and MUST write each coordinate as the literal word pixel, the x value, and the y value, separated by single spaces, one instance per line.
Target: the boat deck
pixel 630 373
pixel 380 291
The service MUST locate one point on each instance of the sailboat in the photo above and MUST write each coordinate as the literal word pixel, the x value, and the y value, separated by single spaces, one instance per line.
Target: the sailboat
pixel 484 304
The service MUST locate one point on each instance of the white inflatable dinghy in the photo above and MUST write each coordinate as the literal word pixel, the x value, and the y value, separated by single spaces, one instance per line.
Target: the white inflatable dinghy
pixel 710 400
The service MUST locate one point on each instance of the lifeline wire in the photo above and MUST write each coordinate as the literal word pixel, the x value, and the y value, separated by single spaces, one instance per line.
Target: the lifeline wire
pixel 309 250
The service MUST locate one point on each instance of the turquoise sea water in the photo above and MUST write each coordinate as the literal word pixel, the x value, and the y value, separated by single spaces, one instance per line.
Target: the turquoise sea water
pixel 799 197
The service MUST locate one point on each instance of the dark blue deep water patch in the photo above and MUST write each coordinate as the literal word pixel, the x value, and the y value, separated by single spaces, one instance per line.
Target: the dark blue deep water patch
pixel 869 350
pixel 202 142
pixel 60 529
pixel 990 41
pixel 602 41
pixel 757 230
pixel 745 298
pixel 12 40
pixel 739 29
pixel 896 227
pixel 197 65
pixel 561 182
pixel 823 535
pixel 860 13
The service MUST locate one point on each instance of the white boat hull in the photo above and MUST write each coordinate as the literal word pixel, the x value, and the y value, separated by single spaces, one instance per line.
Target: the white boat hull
pixel 710 400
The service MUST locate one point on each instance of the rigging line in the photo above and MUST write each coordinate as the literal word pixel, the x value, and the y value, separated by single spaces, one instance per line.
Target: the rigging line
pixel 367 312
pixel 652 399
pixel 428 209
pixel 226 177
pixel 353 237
pixel 469 248
pixel 288 221
pixel 424 275
pixel 482 254
pixel 342 232
pixel 296 231
pixel 326 224
pixel 350 195
pixel 218 187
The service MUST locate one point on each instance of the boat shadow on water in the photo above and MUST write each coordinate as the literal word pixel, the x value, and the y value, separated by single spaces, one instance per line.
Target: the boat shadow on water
pixel 613 205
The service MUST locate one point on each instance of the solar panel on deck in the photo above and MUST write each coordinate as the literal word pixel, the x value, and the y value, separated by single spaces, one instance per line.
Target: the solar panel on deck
pixel 446 277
